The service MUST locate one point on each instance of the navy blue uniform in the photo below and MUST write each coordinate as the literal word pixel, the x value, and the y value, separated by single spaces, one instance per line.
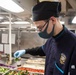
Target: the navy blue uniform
pixel 60 53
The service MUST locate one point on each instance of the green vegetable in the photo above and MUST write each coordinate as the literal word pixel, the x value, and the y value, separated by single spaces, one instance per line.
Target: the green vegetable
pixel 3 70
pixel 12 72
pixel 17 59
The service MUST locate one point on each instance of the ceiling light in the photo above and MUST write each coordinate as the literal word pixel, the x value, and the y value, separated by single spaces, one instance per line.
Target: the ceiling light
pixel 1 18
pixel 17 22
pixel 21 22
pixel 31 18
pixel 62 22
pixel 11 6
pixel 74 20
pixel 49 0
pixel 6 22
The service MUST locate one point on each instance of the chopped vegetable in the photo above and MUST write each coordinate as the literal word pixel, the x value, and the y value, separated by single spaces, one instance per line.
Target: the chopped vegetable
pixel 31 70
pixel 17 59
pixel 3 70
pixel 17 73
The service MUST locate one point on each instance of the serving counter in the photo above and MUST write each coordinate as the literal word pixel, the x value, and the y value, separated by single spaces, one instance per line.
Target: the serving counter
pixel 34 66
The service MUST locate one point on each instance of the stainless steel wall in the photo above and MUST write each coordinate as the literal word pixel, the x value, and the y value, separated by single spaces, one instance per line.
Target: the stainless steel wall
pixel 24 40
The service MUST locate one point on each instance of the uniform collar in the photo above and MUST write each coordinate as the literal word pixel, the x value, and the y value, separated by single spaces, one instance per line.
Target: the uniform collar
pixel 58 36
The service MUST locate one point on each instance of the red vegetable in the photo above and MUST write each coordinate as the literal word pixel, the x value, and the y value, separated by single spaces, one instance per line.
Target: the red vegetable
pixel 31 70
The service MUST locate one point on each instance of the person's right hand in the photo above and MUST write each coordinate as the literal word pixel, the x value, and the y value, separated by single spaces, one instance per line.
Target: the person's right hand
pixel 19 53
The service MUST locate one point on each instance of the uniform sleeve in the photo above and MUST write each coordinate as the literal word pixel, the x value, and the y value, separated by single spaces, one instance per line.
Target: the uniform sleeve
pixel 36 51
pixel 42 50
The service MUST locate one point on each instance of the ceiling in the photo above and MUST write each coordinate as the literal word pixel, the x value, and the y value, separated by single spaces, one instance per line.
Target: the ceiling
pixel 68 10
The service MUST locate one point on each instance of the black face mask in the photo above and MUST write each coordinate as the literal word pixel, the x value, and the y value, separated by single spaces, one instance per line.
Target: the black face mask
pixel 44 33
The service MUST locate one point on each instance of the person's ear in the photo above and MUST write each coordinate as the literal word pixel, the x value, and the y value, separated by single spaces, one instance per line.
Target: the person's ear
pixel 53 19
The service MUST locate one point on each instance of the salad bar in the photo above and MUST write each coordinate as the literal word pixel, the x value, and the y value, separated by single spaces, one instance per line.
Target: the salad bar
pixel 20 71
pixel 30 67
pixel 6 71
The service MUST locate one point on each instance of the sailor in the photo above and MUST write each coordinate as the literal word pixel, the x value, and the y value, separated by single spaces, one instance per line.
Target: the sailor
pixel 60 47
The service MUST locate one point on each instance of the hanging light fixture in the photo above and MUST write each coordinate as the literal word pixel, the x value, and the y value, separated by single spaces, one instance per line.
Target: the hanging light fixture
pixel 11 6
pixel 48 0
pixel 74 20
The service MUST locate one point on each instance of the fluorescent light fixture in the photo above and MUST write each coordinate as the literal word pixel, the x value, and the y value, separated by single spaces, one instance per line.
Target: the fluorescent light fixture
pixel 49 0
pixel 31 18
pixel 62 22
pixel 1 17
pixel 34 27
pixel 17 22
pixel 11 6
pixel 74 20
pixel 21 22
pixel 6 22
